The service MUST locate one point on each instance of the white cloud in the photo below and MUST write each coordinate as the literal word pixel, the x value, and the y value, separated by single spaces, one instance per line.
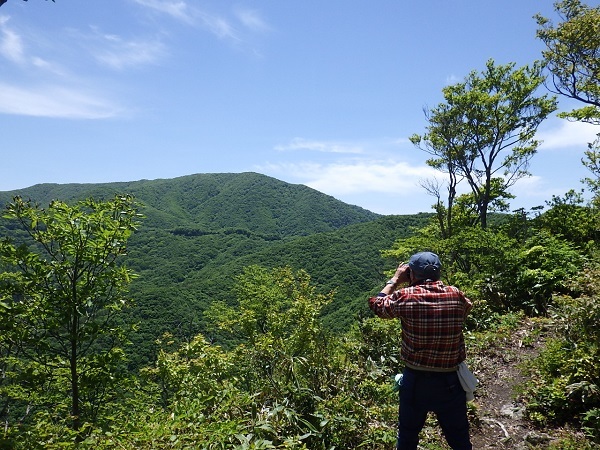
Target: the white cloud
pixel 251 19
pixel 528 187
pixel 361 176
pixel 175 8
pixel 14 48
pixel 453 79
pixel 218 26
pixel 182 11
pixel 319 146
pixel 535 191
pixel 567 134
pixel 11 44
pixel 118 53
pixel 48 66
pixel 54 101
pixel 55 96
pixel 381 186
pixel 392 177
pixel 401 141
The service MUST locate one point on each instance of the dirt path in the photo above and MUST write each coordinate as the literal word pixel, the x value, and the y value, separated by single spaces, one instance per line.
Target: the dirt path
pixel 497 414
pixel 499 419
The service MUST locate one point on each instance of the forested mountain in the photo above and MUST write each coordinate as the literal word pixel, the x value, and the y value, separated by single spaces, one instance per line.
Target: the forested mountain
pixel 211 202
pixel 200 231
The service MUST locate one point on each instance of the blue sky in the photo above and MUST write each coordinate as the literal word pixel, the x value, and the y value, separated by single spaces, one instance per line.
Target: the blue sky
pixel 322 93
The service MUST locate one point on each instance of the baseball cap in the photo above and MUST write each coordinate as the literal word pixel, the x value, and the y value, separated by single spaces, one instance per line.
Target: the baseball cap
pixel 425 265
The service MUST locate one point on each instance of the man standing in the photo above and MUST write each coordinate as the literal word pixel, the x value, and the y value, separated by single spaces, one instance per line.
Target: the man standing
pixel 432 316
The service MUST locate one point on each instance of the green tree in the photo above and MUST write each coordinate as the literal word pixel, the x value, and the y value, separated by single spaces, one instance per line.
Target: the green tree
pixel 570 219
pixel 63 294
pixel 572 56
pixel 592 162
pixel 484 132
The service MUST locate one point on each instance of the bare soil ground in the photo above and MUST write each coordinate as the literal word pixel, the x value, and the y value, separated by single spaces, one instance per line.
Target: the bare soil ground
pixel 499 421
pixel 497 414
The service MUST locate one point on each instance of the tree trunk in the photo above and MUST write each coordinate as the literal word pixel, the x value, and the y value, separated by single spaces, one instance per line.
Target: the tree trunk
pixel 74 373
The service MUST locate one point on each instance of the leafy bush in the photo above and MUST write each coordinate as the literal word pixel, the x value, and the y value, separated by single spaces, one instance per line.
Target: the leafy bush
pixel 287 384
pixel 544 266
pixel 498 272
pixel 569 219
pixel 566 376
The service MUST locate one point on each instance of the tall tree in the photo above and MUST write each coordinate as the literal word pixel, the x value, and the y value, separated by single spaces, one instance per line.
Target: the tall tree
pixel 67 288
pixel 592 162
pixel 436 145
pixel 484 131
pixel 572 56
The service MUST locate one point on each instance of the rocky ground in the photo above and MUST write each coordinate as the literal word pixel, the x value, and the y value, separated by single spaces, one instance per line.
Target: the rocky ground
pixel 497 414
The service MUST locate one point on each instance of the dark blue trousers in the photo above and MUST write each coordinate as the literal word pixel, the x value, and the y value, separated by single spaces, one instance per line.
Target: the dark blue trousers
pixel 438 392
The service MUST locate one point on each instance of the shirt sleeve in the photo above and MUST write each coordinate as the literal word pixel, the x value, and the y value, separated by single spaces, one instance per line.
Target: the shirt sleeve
pixel 468 304
pixel 385 306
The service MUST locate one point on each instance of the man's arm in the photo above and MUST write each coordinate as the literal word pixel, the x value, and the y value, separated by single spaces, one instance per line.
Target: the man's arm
pixel 402 275
pixel 381 305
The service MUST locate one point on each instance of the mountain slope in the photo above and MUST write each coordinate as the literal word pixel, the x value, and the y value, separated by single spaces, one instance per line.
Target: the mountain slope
pixel 212 202
pixel 200 231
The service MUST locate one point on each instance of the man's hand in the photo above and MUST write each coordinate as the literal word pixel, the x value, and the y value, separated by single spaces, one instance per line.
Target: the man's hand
pixel 402 274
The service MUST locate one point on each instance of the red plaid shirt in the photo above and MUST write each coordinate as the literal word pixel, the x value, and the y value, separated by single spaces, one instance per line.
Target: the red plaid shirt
pixel 432 317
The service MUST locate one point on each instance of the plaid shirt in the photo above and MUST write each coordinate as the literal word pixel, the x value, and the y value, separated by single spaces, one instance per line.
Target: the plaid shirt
pixel 432 317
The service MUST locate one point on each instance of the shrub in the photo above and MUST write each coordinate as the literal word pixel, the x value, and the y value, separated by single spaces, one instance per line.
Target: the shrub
pixel 566 383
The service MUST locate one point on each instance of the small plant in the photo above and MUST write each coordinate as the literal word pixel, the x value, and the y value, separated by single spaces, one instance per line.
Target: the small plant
pixel 566 375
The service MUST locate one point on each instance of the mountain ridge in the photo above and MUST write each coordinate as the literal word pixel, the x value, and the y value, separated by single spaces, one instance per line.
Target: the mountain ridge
pixel 200 231
pixel 204 200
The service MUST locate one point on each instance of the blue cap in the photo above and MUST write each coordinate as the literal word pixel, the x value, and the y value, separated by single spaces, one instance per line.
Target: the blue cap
pixel 425 265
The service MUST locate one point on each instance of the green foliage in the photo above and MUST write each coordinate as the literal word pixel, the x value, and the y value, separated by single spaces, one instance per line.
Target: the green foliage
pixel 591 161
pixel 544 266
pixel 572 443
pixel 200 230
pixel 62 294
pixel 570 219
pixel 285 375
pixel 566 376
pixel 572 56
pixel 289 385
pixel 484 132
pixel 207 203
pixel 284 344
pixel 498 271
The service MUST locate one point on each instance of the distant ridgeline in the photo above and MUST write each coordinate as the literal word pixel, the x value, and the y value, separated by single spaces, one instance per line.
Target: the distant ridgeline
pixel 200 231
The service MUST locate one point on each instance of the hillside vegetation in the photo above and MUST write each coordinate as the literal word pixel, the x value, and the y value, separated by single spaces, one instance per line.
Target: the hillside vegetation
pixel 245 339
pixel 214 202
pixel 200 231
pixel 233 315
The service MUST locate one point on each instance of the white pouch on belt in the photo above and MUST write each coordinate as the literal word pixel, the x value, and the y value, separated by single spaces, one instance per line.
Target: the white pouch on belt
pixel 467 380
